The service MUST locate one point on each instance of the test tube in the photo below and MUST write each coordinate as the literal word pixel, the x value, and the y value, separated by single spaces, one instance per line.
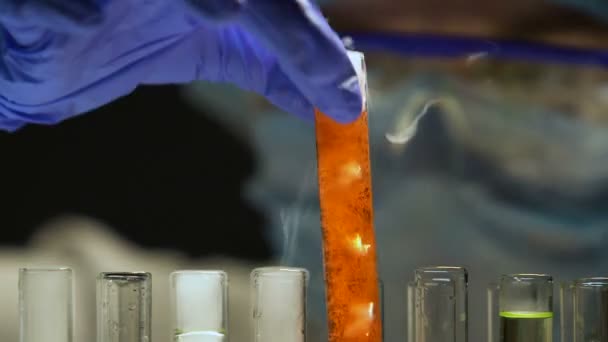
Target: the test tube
pixel 46 304
pixel 349 242
pixel 124 305
pixel 525 303
pixel 585 310
pixel 438 305
pixel 279 304
pixel 199 305
pixel 493 322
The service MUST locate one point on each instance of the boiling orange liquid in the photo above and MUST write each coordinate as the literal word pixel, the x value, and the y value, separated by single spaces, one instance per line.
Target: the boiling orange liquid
pixel 349 245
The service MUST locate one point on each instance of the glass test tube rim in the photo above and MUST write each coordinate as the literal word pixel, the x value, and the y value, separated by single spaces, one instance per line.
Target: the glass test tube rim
pixel 443 269
pixel 591 282
pixel 202 272
pixel 137 275
pixel 280 271
pixel 46 269
pixel 436 271
pixel 523 277
pixel 206 273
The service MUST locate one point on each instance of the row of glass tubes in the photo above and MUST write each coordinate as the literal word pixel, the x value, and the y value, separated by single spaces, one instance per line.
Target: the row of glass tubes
pixel 198 303
pixel 437 305
pixel 520 308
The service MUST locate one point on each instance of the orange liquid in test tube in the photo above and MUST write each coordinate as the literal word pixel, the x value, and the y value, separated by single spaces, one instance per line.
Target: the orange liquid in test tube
pixel 349 246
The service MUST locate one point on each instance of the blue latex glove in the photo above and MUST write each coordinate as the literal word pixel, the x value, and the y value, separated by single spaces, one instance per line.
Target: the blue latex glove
pixel 61 58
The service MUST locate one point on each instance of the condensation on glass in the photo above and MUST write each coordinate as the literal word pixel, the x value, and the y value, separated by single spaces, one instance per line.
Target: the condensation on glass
pixel 46 304
pixel 438 305
pixel 199 305
pixel 584 310
pixel 525 308
pixel 279 304
pixel 124 303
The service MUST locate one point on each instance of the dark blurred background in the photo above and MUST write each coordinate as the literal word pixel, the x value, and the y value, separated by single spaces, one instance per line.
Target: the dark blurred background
pixel 163 179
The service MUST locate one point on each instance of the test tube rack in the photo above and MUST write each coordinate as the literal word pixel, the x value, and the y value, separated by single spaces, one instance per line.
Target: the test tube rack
pixel 520 306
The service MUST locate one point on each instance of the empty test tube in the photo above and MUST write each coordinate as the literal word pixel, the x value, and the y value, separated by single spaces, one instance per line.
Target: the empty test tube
pixel 493 319
pixel 279 304
pixel 46 304
pixel 585 310
pixel 199 305
pixel 438 305
pixel 525 305
pixel 124 304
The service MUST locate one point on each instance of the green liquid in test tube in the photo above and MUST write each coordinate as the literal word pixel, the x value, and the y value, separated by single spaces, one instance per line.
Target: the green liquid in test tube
pixel 526 308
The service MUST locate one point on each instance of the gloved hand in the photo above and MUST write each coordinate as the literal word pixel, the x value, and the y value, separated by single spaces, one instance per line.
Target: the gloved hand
pixel 61 58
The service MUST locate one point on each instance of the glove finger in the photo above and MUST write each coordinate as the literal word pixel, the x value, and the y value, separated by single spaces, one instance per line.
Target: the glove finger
pixel 229 55
pixel 79 13
pixel 56 15
pixel 64 75
pixel 245 62
pixel 308 51
pixel 180 53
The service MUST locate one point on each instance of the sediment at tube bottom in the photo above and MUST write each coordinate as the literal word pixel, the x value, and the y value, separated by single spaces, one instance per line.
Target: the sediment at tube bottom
pixel 200 336
pixel 348 234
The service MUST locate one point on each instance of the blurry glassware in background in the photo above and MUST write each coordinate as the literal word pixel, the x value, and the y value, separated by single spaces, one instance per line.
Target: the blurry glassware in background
pixel 584 310
pixel 438 305
pixel 525 308
pixel 46 305
pixel 199 303
pixel 279 304
pixel 124 307
pixel 493 319
pixel 90 247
